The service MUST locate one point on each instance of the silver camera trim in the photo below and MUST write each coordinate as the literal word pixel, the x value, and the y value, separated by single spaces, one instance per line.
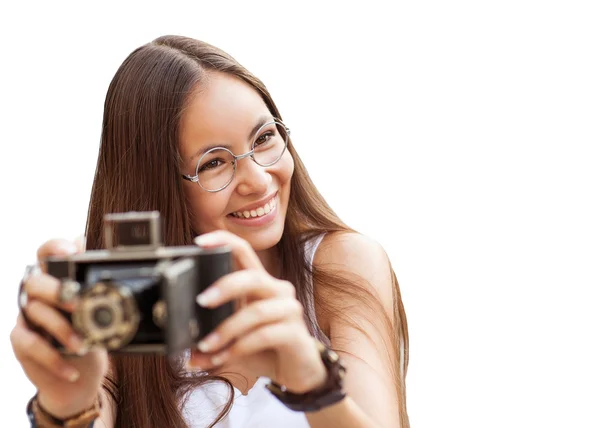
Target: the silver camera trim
pixel 151 217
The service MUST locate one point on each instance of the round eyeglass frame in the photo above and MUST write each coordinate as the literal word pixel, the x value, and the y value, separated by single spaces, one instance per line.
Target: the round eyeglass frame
pixel 196 179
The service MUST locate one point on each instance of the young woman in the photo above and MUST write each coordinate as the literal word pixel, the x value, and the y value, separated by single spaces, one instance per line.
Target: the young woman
pixel 189 132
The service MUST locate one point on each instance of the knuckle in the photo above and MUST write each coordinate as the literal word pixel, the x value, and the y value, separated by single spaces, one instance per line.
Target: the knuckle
pixel 296 307
pixel 289 288
pixel 62 330
pixel 245 245
pixel 30 283
pixel 35 312
pixel 259 311
pixel 56 247
pixel 15 336
pixel 47 248
pixel 54 360
pixel 38 284
pixel 32 308
pixel 51 321
pixel 226 327
pixel 257 276
pixel 29 343
pixel 265 336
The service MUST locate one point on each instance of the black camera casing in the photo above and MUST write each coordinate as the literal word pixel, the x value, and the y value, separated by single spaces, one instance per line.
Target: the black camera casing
pixel 138 296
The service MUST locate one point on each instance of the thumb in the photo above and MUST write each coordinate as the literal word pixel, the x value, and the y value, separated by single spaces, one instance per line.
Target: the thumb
pixel 80 243
pixel 56 247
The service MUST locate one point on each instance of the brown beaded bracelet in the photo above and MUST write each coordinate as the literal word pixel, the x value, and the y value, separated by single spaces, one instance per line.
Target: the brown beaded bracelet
pixel 41 418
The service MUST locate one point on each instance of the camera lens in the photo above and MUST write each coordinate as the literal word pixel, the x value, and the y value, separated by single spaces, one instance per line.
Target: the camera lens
pixel 107 315
pixel 103 316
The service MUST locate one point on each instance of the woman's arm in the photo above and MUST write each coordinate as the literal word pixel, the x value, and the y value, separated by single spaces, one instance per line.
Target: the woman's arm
pixel 365 344
pixel 108 412
pixel 273 321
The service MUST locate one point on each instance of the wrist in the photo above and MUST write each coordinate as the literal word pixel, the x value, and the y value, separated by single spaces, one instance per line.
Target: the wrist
pixel 314 380
pixel 61 409
pixel 323 394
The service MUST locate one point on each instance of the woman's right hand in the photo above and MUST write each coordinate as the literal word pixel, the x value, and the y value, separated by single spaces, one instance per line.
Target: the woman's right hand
pixel 66 385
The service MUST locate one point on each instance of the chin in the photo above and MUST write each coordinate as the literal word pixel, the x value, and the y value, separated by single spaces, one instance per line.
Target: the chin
pixel 264 243
pixel 262 240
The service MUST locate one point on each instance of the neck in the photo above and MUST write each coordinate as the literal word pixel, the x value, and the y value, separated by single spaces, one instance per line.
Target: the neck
pixel 271 260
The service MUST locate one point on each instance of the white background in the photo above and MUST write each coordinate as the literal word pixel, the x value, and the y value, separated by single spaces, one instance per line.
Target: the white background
pixel 463 135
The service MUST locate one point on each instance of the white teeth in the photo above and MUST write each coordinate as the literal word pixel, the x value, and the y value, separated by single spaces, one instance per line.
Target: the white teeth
pixel 266 209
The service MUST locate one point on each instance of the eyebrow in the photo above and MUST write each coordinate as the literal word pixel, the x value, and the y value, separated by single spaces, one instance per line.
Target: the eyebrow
pixel 260 122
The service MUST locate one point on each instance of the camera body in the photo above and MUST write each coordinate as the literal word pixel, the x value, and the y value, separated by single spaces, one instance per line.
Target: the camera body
pixel 138 295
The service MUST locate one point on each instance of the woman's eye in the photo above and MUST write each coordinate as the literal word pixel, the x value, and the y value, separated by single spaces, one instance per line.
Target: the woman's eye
pixel 263 138
pixel 211 165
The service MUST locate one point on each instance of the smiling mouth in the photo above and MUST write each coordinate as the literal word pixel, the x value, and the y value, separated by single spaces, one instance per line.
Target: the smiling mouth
pixel 256 212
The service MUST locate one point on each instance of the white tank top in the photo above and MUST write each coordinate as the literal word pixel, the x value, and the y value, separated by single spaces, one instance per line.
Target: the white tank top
pixel 258 409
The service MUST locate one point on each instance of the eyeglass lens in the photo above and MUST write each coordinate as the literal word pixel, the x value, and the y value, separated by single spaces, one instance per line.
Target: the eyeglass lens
pixel 216 167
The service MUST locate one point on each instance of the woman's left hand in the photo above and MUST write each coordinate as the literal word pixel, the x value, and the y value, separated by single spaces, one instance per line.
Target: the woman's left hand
pixel 268 332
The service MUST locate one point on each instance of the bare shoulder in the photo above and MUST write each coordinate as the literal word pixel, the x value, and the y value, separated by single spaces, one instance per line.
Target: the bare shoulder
pixel 357 308
pixel 361 257
pixel 352 250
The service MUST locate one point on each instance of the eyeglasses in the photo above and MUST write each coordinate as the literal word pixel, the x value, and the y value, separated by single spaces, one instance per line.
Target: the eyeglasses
pixel 216 168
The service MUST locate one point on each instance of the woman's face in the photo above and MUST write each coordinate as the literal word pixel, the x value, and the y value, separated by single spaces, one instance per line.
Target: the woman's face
pixel 226 112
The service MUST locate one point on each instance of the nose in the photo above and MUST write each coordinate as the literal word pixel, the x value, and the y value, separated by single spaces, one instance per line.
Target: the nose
pixel 251 177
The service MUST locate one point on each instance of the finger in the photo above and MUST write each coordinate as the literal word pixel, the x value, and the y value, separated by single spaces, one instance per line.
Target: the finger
pixel 250 318
pixel 199 361
pixel 271 336
pixel 245 283
pixel 39 375
pixel 45 288
pixel 29 346
pixel 55 247
pixel 80 243
pixel 243 254
pixel 55 324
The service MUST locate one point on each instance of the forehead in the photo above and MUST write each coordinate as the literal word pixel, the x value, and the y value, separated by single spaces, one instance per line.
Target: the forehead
pixel 223 111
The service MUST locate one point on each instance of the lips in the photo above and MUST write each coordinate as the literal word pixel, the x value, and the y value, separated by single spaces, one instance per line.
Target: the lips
pixel 256 218
pixel 257 209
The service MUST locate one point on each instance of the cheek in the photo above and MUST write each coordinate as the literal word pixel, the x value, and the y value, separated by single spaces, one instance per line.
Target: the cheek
pixel 207 209
pixel 287 168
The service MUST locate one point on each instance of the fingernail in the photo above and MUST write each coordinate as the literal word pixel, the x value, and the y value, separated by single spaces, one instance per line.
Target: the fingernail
pixel 190 367
pixel 219 359
pixel 82 351
pixel 209 343
pixel 208 297
pixel 208 239
pixel 76 344
pixel 70 374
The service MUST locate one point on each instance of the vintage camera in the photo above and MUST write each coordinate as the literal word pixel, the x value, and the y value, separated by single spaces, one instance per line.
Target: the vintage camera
pixel 138 295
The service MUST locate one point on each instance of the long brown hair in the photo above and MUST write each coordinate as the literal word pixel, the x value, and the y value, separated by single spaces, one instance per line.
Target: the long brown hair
pixel 138 169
